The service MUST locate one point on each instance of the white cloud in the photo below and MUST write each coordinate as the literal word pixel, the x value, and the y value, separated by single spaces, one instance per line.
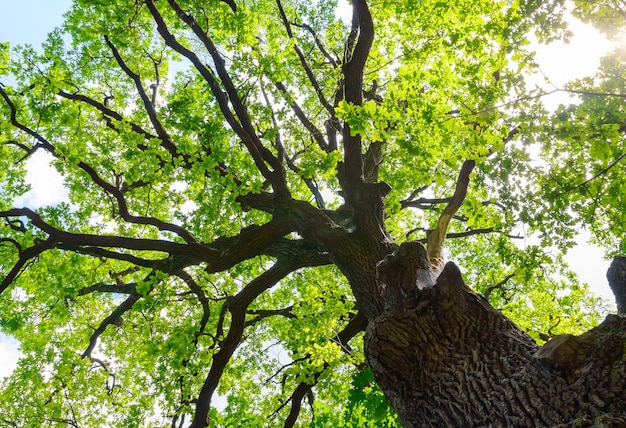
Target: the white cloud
pixel 9 354
pixel 587 260
pixel 46 183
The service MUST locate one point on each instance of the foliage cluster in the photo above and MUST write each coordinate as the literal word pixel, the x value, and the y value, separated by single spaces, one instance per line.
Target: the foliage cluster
pixel 167 119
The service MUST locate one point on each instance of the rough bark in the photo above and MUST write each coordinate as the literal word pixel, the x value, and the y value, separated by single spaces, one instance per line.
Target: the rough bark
pixel 617 281
pixel 444 357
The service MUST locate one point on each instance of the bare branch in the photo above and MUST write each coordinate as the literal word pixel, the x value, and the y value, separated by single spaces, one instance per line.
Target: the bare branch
pixel 16 225
pixel 424 203
pixel 357 324
pixel 101 252
pixel 83 239
pixel 315 133
pixel 416 192
pixel 220 66
pixel 7 422
pixel 102 287
pixel 106 112
pixel 261 314
pixel 202 298
pixel 482 231
pixel 230 4
pixel 278 144
pixel 29 150
pixel 123 207
pixel 298 394
pixel 595 176
pixel 464 234
pixel 438 235
pixel 497 285
pixel 277 178
pixel 13 118
pixel 206 313
pixel 12 242
pixel 16 143
pixel 281 150
pixel 594 94
pixel 287 365
pixel 310 183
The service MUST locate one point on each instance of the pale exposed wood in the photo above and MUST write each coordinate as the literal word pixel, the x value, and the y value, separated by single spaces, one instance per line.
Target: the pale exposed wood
pixel 437 237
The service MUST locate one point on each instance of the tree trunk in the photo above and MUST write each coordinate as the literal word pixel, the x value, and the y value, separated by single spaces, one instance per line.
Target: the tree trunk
pixel 617 280
pixel 444 357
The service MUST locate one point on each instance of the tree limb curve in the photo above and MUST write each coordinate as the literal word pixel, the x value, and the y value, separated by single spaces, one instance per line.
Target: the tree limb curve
pixel 438 235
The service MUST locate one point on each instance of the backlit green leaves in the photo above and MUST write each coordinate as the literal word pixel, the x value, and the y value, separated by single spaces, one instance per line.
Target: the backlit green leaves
pixel 582 183
pixel 4 57
pixel 147 144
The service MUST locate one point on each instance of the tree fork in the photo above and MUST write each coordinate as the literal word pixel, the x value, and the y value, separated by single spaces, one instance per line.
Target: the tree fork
pixel 445 357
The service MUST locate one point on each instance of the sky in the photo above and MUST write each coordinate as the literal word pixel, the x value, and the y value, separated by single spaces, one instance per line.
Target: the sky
pixel 28 21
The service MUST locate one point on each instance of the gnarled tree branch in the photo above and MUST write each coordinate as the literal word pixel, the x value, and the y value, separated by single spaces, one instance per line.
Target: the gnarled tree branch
pixel 237 306
pixel 25 257
pixel 97 179
pixel 114 318
pixel 240 124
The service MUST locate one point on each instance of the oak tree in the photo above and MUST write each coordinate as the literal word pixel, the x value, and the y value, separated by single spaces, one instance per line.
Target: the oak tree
pixel 259 196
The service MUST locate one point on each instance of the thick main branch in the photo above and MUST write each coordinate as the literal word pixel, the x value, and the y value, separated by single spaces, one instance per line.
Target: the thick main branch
pixel 358 47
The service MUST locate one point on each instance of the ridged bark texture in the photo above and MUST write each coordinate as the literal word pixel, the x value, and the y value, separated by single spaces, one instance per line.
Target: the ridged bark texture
pixel 617 280
pixel 445 358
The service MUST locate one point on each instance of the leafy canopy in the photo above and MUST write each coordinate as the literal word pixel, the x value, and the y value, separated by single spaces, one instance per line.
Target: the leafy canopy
pixel 170 276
